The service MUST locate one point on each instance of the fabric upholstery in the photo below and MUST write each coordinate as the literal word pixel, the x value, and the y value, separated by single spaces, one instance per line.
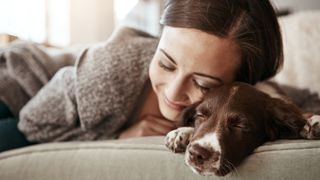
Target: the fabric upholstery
pixel 301 39
pixel 147 158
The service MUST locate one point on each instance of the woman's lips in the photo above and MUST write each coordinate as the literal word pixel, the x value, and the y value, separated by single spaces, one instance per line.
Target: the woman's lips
pixel 173 105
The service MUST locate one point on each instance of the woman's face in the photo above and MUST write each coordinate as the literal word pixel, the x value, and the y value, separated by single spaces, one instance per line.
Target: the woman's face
pixel 189 63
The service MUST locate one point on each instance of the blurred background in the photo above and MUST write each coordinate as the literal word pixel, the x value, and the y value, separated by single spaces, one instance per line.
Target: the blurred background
pixel 68 22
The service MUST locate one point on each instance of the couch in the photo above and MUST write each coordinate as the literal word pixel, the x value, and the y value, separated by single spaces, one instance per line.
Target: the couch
pixel 147 158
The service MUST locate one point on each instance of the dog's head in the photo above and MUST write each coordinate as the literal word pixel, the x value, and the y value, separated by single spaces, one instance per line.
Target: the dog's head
pixel 231 122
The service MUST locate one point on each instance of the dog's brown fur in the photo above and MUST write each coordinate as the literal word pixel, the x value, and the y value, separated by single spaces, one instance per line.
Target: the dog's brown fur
pixel 243 119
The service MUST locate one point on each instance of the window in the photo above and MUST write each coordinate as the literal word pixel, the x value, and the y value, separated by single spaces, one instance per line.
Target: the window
pixel 23 18
pixel 43 21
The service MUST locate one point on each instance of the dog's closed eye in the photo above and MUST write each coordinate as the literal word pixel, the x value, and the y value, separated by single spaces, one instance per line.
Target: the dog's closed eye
pixel 199 119
pixel 236 122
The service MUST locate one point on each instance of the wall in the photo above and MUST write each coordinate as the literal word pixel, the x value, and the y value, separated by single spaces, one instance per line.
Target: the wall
pixel 23 18
pixel 145 15
pixel 297 5
pixel 90 21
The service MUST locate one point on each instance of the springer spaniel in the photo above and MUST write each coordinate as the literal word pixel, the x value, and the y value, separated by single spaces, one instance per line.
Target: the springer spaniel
pixel 231 122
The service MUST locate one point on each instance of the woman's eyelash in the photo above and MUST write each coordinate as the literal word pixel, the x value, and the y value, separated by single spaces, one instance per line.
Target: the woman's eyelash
pixel 202 89
pixel 164 67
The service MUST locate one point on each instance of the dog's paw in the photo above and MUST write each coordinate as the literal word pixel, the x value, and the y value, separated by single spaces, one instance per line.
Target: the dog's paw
pixel 312 128
pixel 178 139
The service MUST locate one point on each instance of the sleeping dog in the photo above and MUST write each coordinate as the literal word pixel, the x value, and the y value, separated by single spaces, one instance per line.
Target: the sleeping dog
pixel 231 122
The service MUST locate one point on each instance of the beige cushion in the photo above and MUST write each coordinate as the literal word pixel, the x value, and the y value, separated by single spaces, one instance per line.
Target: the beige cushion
pixel 301 40
pixel 147 158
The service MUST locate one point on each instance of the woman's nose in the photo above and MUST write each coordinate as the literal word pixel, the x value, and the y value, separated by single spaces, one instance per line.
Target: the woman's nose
pixel 176 90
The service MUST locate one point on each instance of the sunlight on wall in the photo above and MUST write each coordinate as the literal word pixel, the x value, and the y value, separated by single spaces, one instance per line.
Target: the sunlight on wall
pixel 36 20
pixel 58 25
pixel 143 14
pixel 61 22
pixel 123 7
pixel 23 18
pixel 91 20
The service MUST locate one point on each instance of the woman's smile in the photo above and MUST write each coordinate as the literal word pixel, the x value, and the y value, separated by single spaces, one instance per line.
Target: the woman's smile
pixel 173 105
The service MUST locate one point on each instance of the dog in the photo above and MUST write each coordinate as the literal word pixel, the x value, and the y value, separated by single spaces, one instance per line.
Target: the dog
pixel 233 120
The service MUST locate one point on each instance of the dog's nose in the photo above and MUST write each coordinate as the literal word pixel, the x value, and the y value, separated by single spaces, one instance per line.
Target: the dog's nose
pixel 200 154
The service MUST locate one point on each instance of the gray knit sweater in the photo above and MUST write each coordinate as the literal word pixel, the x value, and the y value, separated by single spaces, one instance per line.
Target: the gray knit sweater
pixel 94 98
pixel 24 69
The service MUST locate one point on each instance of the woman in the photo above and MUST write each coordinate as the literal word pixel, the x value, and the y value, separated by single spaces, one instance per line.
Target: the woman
pixel 204 44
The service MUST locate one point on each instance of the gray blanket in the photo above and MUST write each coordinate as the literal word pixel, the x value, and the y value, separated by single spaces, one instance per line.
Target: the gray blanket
pixel 24 69
pixel 90 100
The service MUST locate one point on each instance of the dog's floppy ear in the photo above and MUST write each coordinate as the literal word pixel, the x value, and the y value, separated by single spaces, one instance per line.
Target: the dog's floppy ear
pixel 188 114
pixel 285 120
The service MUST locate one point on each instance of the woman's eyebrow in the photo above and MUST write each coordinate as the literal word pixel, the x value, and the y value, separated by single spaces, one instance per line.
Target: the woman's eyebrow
pixel 198 74
pixel 168 56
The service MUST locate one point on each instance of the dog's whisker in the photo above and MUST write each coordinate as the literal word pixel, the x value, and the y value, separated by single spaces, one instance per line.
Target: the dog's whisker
pixel 233 168
pixel 230 167
pixel 226 168
pixel 229 164
pixel 223 168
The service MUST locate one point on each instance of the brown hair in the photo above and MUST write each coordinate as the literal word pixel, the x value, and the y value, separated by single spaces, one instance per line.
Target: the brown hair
pixel 252 24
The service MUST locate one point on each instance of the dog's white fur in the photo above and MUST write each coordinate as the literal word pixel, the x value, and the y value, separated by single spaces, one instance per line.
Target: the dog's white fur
pixel 210 141
pixel 179 138
pixel 314 119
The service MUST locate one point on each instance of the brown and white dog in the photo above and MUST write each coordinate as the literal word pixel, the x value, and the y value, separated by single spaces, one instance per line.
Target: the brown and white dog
pixel 231 122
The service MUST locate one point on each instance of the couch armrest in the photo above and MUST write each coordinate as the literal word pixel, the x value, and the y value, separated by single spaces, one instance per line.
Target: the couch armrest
pixel 147 158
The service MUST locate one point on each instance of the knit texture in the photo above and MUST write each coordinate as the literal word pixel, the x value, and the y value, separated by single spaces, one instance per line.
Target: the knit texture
pixel 93 99
pixel 24 69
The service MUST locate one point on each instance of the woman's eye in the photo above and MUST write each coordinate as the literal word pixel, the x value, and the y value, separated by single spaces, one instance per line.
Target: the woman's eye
pixel 164 67
pixel 201 88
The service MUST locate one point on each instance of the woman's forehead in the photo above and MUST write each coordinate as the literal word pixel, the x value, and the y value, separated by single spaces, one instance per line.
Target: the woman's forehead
pixel 200 51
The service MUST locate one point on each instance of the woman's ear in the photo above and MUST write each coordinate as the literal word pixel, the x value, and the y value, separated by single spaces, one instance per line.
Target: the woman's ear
pixel 285 120
pixel 187 115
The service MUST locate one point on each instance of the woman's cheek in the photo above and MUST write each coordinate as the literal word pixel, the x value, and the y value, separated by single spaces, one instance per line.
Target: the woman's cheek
pixel 154 73
pixel 196 97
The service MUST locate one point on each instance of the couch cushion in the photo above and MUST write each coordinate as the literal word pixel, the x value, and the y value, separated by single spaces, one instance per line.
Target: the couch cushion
pixel 301 39
pixel 147 158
